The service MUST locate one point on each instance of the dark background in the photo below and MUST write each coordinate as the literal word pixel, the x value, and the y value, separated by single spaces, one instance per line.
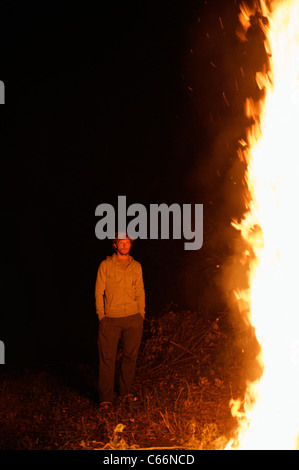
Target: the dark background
pixel 105 99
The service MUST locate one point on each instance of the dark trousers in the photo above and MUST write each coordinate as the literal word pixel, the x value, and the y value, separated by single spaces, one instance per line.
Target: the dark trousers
pixel 111 330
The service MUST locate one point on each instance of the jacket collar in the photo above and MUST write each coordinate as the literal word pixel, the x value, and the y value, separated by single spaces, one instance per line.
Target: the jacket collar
pixel 115 259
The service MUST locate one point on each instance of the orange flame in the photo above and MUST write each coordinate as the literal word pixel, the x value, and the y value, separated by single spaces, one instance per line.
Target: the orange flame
pixel 270 419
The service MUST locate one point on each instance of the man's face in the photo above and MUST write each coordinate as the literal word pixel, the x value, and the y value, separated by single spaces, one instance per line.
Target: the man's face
pixel 123 246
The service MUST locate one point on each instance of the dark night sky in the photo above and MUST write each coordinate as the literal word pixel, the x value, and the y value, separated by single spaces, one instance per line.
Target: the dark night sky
pixel 138 99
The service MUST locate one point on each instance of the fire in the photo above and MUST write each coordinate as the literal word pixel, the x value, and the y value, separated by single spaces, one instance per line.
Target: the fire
pixel 269 416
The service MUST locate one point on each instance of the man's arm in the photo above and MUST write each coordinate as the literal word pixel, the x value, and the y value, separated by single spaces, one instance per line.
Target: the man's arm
pixel 140 293
pixel 100 290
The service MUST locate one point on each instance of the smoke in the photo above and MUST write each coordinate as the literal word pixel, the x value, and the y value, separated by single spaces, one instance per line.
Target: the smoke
pixel 219 73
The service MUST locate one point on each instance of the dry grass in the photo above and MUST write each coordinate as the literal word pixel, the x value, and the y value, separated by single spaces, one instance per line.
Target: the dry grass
pixel 188 370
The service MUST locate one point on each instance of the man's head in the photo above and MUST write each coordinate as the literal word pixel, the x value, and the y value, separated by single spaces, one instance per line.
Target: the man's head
pixel 122 244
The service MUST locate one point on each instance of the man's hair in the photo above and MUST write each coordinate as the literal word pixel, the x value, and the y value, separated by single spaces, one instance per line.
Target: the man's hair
pixel 114 242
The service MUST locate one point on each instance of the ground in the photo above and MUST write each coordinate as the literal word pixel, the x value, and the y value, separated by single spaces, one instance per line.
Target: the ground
pixel 189 368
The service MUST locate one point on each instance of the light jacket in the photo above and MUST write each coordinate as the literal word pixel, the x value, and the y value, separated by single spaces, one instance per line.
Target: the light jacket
pixel 119 292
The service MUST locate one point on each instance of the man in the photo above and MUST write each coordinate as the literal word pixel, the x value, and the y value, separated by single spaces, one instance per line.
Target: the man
pixel 120 306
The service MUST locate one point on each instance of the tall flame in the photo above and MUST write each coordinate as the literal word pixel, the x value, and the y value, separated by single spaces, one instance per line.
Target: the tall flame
pixel 269 416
